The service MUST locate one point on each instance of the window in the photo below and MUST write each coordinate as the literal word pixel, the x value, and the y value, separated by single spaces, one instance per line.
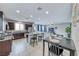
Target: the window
pixel 41 28
pixel 19 26
pixel 16 26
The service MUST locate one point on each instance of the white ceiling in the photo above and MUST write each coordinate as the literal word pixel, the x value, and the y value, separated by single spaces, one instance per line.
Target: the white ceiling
pixel 58 13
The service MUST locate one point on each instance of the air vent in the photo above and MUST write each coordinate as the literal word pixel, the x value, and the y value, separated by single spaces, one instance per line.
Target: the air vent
pixel 39 8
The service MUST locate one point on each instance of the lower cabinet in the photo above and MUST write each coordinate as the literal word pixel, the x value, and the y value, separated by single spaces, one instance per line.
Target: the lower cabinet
pixel 18 36
pixel 5 47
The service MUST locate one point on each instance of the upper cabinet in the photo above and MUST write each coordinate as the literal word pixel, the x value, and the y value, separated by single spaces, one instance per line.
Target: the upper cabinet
pixel 11 25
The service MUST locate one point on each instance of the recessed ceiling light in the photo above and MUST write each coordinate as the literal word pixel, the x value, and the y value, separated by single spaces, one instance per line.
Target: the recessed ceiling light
pixel 46 12
pixel 31 16
pixel 17 11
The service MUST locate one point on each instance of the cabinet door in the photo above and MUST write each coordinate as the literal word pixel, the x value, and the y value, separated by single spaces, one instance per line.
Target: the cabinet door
pixel 11 25
pixel 5 47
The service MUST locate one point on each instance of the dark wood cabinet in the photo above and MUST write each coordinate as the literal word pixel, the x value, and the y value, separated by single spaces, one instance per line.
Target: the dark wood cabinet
pixel 27 25
pixel 5 47
pixel 11 25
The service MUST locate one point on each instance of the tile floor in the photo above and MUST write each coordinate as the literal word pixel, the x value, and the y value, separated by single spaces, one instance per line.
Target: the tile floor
pixel 21 47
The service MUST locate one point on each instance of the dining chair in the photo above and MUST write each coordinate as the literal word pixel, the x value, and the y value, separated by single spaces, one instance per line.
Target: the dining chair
pixel 55 50
pixel 40 36
pixel 33 39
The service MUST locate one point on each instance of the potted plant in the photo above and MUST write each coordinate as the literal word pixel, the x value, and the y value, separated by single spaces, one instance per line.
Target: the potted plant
pixel 68 31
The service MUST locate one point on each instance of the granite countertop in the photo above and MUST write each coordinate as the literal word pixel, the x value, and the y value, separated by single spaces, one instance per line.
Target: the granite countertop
pixel 17 31
pixel 6 38
pixel 13 31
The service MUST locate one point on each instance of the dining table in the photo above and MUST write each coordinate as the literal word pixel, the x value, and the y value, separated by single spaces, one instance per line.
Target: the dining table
pixel 64 43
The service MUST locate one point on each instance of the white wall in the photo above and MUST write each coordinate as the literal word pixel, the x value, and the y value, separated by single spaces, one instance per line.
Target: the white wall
pixel 75 37
pixel 61 29
pixel 75 29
